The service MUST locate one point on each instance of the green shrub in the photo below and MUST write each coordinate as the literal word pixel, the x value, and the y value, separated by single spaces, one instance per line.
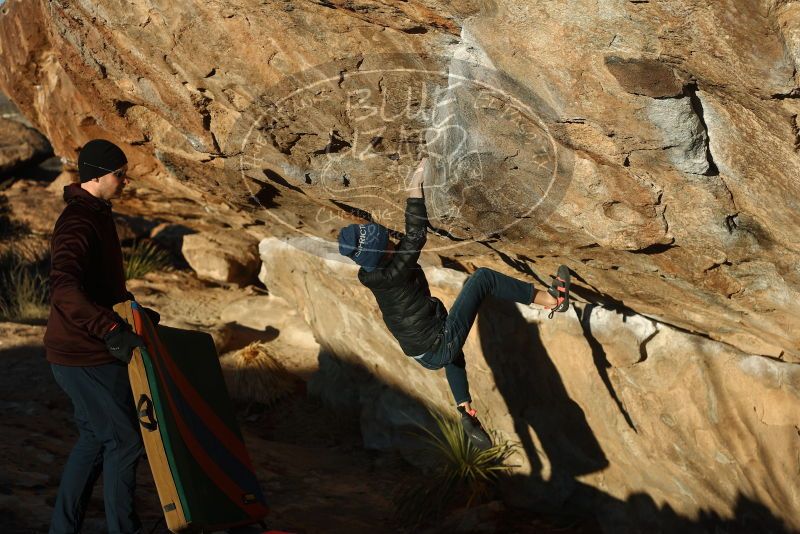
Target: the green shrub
pixel 24 295
pixel 143 257
pixel 464 475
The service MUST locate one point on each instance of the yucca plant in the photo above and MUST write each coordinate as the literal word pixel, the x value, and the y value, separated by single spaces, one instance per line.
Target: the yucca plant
pixel 144 257
pixel 463 474
pixel 23 289
pixel 254 374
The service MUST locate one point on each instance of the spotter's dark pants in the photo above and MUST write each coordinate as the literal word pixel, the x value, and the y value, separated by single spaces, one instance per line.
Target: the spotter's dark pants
pixel 109 442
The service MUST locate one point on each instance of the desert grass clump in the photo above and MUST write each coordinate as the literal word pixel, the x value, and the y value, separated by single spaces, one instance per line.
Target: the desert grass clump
pixel 463 475
pixel 24 294
pixel 144 257
pixel 253 374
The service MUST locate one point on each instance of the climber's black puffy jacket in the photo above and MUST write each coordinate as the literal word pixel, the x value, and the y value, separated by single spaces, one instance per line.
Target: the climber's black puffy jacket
pixel 399 285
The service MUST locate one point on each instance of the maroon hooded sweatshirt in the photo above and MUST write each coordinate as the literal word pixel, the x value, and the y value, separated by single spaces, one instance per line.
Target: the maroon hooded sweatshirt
pixel 86 279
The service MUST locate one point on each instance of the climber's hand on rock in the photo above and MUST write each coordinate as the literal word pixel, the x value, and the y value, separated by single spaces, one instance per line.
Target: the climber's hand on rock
pixel 418 179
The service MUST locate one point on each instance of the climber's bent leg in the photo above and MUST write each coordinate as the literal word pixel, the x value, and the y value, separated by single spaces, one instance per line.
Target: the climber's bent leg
pixel 483 282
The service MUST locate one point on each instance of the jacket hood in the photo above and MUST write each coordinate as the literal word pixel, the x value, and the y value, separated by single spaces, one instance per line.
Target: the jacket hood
pixel 75 193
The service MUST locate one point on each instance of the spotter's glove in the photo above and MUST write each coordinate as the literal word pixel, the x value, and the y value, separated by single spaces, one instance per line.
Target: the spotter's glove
pixel 121 341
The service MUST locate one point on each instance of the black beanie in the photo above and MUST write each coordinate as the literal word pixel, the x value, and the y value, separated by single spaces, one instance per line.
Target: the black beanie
pixel 99 157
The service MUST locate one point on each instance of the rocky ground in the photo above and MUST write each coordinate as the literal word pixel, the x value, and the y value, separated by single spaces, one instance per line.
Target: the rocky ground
pixel 310 459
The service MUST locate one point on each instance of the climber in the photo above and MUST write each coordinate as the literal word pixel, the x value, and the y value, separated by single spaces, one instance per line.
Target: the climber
pixel 88 345
pixel 420 323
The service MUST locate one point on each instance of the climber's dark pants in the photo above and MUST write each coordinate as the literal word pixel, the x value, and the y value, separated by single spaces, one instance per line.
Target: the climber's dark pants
pixel 109 441
pixel 449 353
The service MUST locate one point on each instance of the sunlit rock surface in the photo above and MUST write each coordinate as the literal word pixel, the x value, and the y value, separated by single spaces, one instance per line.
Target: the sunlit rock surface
pixel 224 256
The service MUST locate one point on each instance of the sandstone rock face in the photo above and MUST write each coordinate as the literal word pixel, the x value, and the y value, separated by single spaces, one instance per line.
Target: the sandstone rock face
pixel 225 256
pixel 613 138
pixel 650 146
pixel 619 403
pixel 294 341
pixel 61 181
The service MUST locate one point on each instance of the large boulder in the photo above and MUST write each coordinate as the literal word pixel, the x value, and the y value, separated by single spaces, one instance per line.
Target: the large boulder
pixel 616 403
pixel 19 145
pixel 19 142
pixel 223 256
pixel 612 138
pixel 31 206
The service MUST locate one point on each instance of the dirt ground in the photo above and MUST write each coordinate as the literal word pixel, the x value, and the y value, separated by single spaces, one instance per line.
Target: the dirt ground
pixel 311 467
pixel 316 475
pixel 310 460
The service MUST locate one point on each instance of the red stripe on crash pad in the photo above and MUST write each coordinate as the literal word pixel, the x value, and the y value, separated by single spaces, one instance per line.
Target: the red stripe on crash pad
pixel 210 418
pixel 220 478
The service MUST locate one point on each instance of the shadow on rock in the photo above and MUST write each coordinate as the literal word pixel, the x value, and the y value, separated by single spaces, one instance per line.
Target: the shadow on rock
pixel 389 417
pixel 537 399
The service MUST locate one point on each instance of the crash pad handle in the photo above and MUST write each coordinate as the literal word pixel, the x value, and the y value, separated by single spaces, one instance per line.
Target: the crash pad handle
pixel 146 416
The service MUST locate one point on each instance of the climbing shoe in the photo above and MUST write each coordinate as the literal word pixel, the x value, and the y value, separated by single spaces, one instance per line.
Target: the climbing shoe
pixel 559 289
pixel 474 430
